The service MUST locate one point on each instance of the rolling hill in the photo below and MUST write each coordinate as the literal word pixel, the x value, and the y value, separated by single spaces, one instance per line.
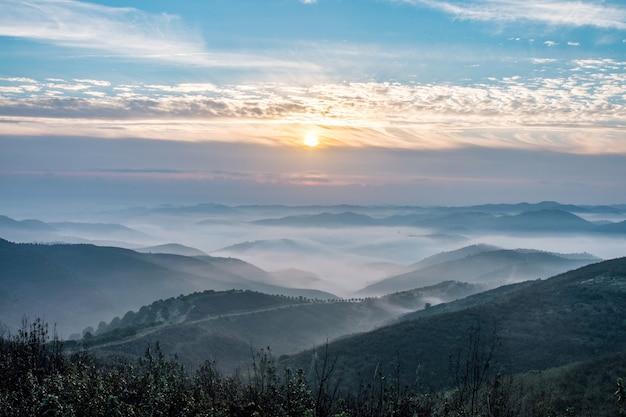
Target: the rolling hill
pixel 225 325
pixel 546 218
pixel 38 231
pixel 586 305
pixel 77 285
pixel 481 264
pixel 172 249
pixel 271 245
pixel 453 255
pixel 321 220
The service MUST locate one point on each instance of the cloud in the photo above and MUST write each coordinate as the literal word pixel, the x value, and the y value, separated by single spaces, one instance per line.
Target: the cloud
pixel 550 44
pixel 540 61
pixel 18 79
pixel 551 12
pixel 583 111
pixel 121 31
pixel 98 83
pixel 570 43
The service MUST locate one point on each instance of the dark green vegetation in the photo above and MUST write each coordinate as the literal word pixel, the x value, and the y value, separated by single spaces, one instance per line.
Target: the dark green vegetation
pixel 572 317
pixel 225 326
pixel 39 379
pixel 482 264
pixel 78 285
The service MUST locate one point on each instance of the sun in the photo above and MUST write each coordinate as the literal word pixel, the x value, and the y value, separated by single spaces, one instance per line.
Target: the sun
pixel 311 140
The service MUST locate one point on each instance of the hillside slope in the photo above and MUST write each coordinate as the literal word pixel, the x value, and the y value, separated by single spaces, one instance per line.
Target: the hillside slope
pixel 77 285
pixel 172 249
pixel 571 317
pixel 224 326
pixel 488 267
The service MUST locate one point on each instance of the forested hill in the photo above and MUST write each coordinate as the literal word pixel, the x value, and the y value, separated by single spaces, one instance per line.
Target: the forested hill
pixel 224 326
pixel 571 317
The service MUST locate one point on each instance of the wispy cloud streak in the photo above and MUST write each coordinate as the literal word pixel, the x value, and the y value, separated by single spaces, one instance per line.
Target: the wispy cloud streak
pixel 551 12
pixel 122 31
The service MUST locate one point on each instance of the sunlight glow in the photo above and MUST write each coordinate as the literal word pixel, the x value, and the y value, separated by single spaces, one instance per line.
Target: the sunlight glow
pixel 311 140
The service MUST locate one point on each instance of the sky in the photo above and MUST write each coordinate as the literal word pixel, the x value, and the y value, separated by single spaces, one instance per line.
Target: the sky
pixel 408 101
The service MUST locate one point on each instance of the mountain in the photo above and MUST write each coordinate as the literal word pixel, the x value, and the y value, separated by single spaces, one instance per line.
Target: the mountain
pixel 36 230
pixel 198 209
pixel 273 245
pixel 98 230
pixel 321 220
pixel 7 223
pixel 225 325
pixel 77 285
pixel 617 228
pixel 484 266
pixel 537 220
pixel 546 217
pixel 173 249
pixel 543 220
pixel 516 208
pixel 453 255
pixel 455 221
pixel 575 316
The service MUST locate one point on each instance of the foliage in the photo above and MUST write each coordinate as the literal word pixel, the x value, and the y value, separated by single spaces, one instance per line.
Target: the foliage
pixel 39 379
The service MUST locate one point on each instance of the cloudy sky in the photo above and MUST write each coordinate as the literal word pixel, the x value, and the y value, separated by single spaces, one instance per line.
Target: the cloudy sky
pixel 411 101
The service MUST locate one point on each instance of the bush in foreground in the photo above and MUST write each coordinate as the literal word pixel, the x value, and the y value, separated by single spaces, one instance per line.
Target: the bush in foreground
pixel 39 379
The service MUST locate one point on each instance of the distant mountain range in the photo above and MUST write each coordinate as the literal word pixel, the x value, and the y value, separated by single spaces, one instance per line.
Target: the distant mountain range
pixel 533 221
pixel 535 325
pixel 498 209
pixel 36 230
pixel 77 285
pixel 224 326
pixel 481 264
pixel 322 220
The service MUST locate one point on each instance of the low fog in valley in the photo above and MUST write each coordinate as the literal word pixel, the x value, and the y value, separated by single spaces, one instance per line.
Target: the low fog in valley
pixel 343 251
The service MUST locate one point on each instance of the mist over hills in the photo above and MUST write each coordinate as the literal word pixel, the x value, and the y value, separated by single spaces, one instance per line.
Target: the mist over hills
pixel 453 255
pixel 481 264
pixel 312 208
pixel 77 285
pixel 538 324
pixel 380 284
pixel 280 245
pixel 36 230
pixel 374 210
pixel 295 277
pixel 172 249
pixel 322 220
pixel 455 260
pixel 533 221
pixel 224 326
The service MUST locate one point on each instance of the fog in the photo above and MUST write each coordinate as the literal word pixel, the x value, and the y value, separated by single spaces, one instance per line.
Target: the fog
pixel 344 258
